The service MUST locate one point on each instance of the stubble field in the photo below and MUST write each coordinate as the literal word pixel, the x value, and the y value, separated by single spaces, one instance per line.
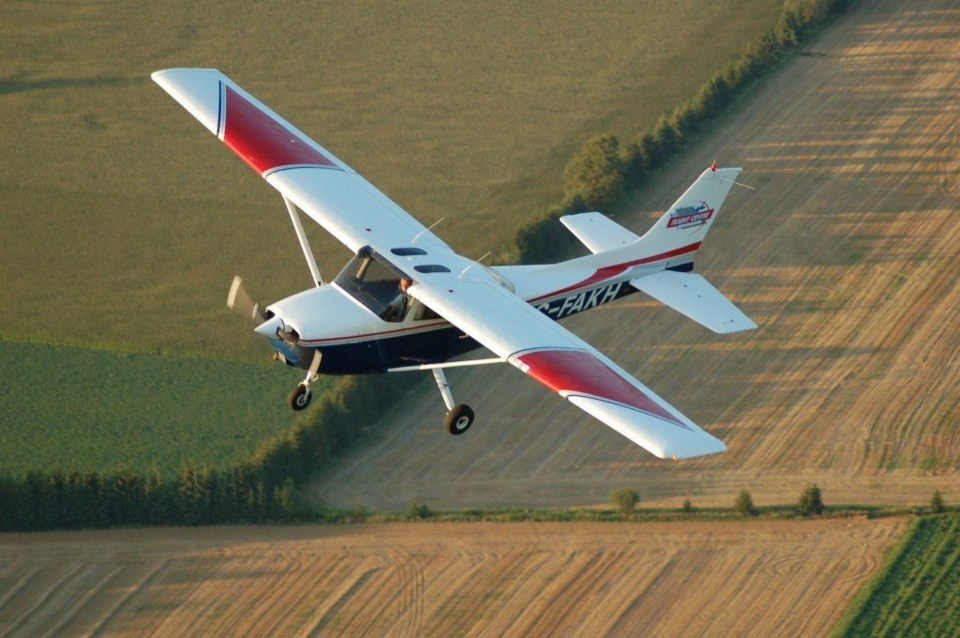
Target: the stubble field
pixel 695 578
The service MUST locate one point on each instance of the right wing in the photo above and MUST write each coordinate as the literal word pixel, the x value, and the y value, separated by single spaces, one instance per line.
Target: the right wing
pixel 541 348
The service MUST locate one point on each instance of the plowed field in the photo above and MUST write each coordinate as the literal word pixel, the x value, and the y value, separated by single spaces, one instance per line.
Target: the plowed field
pixel 846 255
pixel 548 579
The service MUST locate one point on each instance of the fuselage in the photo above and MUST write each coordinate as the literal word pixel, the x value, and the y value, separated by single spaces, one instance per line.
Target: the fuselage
pixel 351 320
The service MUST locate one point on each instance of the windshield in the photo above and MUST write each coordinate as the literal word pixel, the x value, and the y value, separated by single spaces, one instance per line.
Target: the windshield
pixel 375 285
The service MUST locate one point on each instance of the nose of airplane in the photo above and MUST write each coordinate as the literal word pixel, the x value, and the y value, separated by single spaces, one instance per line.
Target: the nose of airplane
pixel 270 327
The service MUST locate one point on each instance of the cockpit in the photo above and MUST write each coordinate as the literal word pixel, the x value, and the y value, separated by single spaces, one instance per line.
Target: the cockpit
pixel 381 288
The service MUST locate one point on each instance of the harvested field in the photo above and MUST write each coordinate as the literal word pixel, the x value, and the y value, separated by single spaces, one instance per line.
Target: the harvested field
pixel 696 578
pixel 846 254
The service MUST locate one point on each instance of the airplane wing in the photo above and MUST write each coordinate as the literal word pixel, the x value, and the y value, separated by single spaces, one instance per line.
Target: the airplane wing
pixel 691 295
pixel 541 348
pixel 359 215
pixel 321 185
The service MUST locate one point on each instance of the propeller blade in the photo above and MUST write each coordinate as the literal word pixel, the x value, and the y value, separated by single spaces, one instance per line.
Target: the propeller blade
pixel 238 299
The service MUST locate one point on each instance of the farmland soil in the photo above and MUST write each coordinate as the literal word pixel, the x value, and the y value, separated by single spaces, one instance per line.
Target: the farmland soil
pixel 442 579
pixel 845 251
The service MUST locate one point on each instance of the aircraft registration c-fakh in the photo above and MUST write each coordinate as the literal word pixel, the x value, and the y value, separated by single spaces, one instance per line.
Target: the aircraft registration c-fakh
pixel 407 301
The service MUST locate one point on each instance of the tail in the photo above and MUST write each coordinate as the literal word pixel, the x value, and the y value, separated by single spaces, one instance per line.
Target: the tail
pixel 687 222
pixel 680 230
pixel 672 243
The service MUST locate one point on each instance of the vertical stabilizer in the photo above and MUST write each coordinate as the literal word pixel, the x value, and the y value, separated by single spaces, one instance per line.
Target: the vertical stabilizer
pixel 690 217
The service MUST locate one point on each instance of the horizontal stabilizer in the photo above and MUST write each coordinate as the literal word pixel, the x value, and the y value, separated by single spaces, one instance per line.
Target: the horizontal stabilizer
pixel 598 232
pixel 695 297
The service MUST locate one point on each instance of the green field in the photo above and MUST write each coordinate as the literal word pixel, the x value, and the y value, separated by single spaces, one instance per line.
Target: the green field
pixel 83 409
pixel 918 592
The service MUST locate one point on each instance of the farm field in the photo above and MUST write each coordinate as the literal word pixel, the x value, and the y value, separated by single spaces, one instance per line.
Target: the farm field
pixel 665 579
pixel 112 410
pixel 918 593
pixel 846 255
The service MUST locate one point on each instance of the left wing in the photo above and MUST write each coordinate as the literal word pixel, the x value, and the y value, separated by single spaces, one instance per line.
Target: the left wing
pixel 544 350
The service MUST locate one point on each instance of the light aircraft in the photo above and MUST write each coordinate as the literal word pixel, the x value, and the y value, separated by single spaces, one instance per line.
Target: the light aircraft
pixel 362 322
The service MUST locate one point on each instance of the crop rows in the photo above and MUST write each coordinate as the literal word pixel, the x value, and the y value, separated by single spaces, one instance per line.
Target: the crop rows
pixel 918 594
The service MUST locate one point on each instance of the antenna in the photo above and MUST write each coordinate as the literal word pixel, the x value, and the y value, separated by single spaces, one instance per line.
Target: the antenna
pixel 427 229
pixel 715 166
pixel 464 271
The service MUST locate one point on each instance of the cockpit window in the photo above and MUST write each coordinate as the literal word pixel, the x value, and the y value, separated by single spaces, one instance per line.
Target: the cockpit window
pixel 376 285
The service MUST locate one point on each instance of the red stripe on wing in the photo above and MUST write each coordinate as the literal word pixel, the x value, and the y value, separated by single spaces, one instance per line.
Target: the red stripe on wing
pixel 580 372
pixel 263 142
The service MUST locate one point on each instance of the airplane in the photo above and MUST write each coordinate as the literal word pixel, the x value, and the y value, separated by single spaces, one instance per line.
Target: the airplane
pixel 407 301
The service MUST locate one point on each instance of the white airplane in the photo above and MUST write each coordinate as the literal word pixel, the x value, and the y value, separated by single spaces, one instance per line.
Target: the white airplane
pixel 362 322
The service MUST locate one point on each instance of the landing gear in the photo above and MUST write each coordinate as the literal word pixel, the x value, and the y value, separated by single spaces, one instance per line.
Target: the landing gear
pixel 301 395
pixel 459 417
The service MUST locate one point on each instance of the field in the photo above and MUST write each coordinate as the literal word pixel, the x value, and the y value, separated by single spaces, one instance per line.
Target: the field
pixel 110 410
pixel 917 594
pixel 672 579
pixel 846 255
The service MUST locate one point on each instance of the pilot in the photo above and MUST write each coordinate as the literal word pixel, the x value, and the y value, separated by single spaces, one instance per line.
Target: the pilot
pixel 398 307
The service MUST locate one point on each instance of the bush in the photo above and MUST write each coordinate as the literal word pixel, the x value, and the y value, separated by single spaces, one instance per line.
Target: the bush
pixel 744 504
pixel 418 511
pixel 596 174
pixel 811 502
pixel 936 503
pixel 688 507
pixel 625 500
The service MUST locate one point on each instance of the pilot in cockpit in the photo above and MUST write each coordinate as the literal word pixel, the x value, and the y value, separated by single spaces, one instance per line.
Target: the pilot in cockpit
pixel 399 305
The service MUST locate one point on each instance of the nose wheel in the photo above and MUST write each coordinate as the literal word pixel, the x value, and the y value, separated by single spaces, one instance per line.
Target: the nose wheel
pixel 301 395
pixel 459 417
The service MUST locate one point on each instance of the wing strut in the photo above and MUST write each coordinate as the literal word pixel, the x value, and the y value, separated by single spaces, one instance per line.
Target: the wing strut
pixel 304 244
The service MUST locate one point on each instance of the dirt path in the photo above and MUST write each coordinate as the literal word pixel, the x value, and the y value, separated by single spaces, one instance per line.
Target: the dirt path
pixel 846 255
pixel 697 578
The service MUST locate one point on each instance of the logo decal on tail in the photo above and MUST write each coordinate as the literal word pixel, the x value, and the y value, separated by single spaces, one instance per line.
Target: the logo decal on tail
pixel 690 216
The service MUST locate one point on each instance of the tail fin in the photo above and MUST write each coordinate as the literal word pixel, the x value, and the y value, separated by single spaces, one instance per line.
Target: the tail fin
pixel 689 219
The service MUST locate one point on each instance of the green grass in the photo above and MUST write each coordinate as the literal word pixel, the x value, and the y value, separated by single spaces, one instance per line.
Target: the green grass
pixel 917 593
pixel 82 409
pixel 124 220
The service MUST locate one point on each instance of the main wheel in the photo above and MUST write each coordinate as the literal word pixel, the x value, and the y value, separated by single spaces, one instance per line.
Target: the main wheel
pixel 458 419
pixel 300 397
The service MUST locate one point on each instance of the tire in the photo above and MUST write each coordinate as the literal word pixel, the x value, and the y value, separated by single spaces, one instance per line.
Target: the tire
pixel 458 420
pixel 300 397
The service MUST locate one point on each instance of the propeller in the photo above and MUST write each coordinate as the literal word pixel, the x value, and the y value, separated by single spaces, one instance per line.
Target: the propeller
pixel 241 301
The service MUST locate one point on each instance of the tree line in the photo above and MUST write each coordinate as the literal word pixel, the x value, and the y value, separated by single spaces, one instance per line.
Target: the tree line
pixel 264 487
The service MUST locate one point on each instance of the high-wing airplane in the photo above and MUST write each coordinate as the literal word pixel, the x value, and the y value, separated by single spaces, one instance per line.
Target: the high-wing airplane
pixel 407 301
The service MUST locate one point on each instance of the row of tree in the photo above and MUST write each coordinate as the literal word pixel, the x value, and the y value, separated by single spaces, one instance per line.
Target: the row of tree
pixel 601 174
